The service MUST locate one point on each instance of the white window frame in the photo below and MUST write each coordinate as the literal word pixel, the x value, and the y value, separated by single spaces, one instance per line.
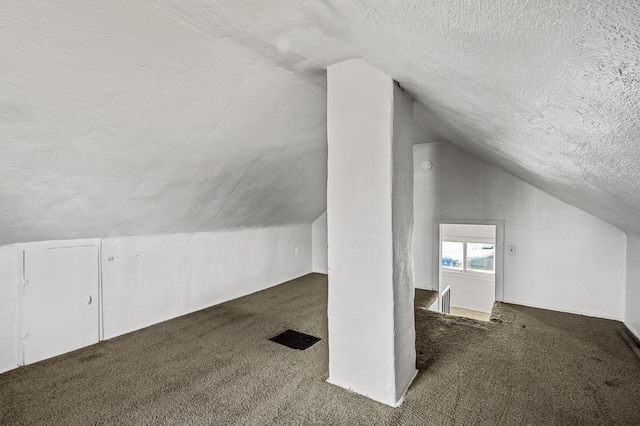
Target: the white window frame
pixel 464 269
pixel 464 255
pixel 436 254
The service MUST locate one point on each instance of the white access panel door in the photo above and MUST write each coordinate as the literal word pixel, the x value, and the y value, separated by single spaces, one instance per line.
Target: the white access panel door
pixel 60 301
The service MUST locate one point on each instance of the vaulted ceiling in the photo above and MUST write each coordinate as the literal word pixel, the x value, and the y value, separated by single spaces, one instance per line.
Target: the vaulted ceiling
pixel 128 118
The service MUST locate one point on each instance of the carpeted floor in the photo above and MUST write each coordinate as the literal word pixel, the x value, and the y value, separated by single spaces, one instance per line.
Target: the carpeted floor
pixel 217 367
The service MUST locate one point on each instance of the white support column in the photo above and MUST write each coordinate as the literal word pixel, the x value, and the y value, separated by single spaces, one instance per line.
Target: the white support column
pixel 370 224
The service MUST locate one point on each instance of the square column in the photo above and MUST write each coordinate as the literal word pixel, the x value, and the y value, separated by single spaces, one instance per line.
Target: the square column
pixel 370 228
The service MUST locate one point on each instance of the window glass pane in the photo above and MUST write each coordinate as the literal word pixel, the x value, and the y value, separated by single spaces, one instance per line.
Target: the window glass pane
pixel 452 255
pixel 480 257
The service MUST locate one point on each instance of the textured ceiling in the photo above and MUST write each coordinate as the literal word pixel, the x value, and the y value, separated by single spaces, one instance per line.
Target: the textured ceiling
pixel 122 118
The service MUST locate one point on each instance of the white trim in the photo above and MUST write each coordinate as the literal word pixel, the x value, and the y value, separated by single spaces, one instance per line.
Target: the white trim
pixel 458 239
pixel 469 275
pixel 563 310
pixel 20 250
pixel 436 272
pixel 100 298
pixel 20 276
pixel 9 369
pixel 52 244
pixel 632 330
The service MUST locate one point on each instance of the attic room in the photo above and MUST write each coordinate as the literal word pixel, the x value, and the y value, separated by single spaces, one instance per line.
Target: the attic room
pixel 183 182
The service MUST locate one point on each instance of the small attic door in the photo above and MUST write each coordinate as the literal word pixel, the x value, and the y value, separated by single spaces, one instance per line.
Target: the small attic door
pixel 60 301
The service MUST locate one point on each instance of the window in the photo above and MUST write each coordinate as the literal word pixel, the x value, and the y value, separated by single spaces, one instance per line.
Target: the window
pixel 469 256
pixel 453 255
pixel 481 257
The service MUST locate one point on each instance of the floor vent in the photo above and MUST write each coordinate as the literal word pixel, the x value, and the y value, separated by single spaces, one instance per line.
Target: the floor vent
pixel 446 300
pixel 295 340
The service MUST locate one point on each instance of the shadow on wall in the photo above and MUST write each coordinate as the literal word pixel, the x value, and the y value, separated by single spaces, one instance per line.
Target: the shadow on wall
pixel 319 242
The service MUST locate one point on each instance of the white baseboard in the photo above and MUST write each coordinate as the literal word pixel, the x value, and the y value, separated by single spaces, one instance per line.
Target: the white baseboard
pixel 633 330
pixel 4 370
pixel 187 312
pixel 206 306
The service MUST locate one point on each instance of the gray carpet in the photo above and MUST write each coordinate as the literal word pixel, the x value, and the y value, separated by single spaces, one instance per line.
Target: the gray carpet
pixel 217 367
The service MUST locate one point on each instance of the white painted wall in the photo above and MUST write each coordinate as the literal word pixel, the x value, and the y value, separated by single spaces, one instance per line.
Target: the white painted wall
pixel 8 308
pixel 369 218
pixel 470 292
pixel 474 291
pixel 632 296
pixel 457 230
pixel 147 280
pixel 402 228
pixel 360 312
pixel 319 241
pixel 566 259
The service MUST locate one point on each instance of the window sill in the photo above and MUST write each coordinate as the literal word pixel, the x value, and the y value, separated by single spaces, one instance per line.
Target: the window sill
pixel 470 275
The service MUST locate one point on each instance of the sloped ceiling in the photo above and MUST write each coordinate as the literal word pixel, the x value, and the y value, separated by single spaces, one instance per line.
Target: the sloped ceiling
pixel 128 118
